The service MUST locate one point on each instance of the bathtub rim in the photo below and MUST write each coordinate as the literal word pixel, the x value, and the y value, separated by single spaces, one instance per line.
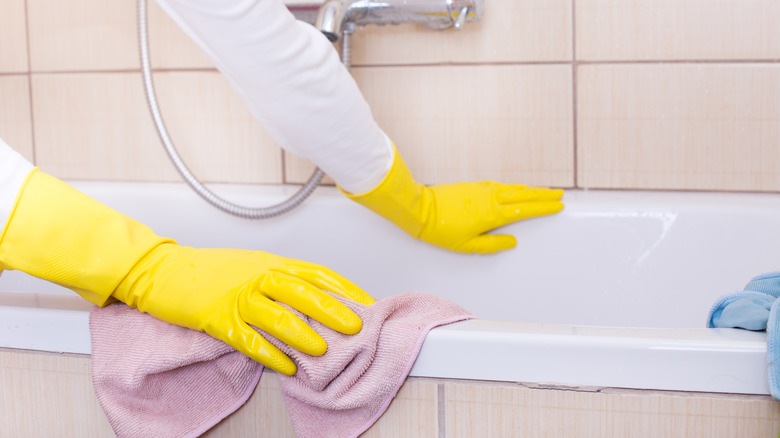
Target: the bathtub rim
pixel 542 354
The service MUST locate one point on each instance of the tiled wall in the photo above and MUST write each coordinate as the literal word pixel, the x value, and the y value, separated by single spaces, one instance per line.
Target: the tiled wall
pixel 626 94
pixel 51 395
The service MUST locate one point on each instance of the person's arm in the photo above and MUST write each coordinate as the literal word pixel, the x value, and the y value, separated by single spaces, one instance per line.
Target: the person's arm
pixel 13 170
pixel 294 84
pixel 56 233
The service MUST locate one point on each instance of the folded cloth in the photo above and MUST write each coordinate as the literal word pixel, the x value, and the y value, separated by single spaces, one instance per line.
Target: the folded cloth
pixel 755 308
pixel 168 381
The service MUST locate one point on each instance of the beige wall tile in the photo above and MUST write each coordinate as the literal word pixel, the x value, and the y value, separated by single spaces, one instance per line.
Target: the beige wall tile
pixel 47 395
pixel 265 411
pixel 507 410
pixel 169 46
pixel 679 126
pixel 96 126
pixel 13 36
pixel 214 132
pixel 525 30
pixel 640 126
pixel 298 170
pixel 504 123
pixel 15 118
pixel 677 29
pixel 414 412
pixel 82 35
pixel 511 31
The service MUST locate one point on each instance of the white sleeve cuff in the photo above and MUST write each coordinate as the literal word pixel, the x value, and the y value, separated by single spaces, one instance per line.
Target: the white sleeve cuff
pixel 13 171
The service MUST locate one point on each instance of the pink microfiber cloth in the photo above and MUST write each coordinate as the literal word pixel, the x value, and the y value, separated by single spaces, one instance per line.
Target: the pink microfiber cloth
pixel 161 380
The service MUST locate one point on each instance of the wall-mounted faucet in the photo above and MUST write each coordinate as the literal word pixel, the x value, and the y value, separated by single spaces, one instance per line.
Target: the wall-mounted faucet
pixel 334 15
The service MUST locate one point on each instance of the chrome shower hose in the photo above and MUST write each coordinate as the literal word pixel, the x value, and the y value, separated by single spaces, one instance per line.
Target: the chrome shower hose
pixel 238 210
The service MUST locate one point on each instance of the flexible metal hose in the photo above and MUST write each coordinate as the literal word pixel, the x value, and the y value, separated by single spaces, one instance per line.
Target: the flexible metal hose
pixel 238 210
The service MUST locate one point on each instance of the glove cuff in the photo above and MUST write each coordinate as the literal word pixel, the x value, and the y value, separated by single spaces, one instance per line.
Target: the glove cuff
pixel 61 235
pixel 398 198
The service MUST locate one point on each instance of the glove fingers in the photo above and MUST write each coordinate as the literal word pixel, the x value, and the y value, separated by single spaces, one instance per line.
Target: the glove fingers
pixel 279 322
pixel 516 212
pixel 516 193
pixel 303 296
pixel 329 280
pixel 488 244
pixel 246 340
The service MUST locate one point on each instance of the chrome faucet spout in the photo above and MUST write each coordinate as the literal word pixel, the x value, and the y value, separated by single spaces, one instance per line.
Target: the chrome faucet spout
pixel 331 18
pixel 333 15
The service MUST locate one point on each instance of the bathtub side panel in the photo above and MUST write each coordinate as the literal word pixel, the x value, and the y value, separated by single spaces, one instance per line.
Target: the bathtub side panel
pixel 47 395
pixel 514 410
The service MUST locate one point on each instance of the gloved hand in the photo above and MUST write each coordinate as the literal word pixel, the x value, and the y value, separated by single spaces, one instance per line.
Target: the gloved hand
pixel 457 216
pixel 220 291
pixel 61 235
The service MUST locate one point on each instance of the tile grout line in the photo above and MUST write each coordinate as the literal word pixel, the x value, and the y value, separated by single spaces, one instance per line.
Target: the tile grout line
pixel 574 68
pixel 440 402
pixel 768 61
pixel 672 61
pixel 679 190
pixel 455 64
pixel 464 64
pixel 29 82
pixel 283 162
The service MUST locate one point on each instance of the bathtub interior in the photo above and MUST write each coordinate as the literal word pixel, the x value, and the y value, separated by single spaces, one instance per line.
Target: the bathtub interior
pixel 619 283
pixel 611 259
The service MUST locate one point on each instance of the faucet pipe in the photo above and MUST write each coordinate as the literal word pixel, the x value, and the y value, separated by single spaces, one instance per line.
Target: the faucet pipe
pixel 237 210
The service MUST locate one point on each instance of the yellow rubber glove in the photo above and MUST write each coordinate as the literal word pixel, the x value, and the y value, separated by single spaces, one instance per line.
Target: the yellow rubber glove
pixel 59 234
pixel 457 216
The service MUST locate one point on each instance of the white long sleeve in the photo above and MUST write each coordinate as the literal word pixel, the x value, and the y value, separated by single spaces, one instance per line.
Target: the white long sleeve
pixel 13 170
pixel 291 78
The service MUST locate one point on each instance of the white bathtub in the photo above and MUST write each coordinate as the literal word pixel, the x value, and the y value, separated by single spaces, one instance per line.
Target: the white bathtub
pixel 612 292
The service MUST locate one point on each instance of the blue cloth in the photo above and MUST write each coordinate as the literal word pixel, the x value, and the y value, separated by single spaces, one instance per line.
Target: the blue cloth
pixel 755 308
